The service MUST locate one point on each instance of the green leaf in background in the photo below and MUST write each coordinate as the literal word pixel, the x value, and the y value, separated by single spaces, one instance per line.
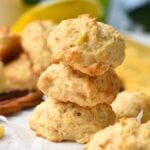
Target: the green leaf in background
pixel 30 2
pixel 105 5
pixel 141 15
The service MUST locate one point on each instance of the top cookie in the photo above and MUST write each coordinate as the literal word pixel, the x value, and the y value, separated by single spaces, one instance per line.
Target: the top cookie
pixel 86 45
pixel 34 42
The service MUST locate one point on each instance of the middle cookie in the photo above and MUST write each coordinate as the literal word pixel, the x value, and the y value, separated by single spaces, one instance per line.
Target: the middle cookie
pixel 67 85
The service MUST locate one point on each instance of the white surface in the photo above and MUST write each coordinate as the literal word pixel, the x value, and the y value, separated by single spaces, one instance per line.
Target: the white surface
pixel 19 136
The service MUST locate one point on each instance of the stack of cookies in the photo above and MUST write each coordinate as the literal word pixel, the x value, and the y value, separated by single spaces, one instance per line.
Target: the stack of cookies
pixel 80 83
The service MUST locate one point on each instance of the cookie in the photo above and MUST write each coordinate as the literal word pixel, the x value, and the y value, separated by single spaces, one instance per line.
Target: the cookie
pixel 127 134
pixel 67 85
pixel 57 121
pixel 34 42
pixel 129 104
pixel 86 45
pixel 10 45
pixel 19 75
pixel 12 104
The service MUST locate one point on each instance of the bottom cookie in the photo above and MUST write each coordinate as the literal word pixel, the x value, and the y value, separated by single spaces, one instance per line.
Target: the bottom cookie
pixel 58 121
pixel 16 103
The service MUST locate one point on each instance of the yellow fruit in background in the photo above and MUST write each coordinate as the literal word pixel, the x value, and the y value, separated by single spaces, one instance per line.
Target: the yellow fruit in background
pixel 58 10
pixel 1 131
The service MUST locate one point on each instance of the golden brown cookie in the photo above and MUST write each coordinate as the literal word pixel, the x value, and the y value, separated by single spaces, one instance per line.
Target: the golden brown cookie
pixel 59 121
pixel 127 134
pixel 130 104
pixel 19 74
pixel 67 85
pixel 86 45
pixel 10 45
pixel 13 103
pixel 34 41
